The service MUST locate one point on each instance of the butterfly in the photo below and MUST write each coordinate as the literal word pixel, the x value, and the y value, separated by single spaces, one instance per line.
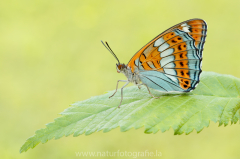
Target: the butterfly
pixel 171 62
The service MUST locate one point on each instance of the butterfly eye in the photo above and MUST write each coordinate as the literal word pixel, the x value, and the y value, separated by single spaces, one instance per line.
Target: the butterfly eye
pixel 118 68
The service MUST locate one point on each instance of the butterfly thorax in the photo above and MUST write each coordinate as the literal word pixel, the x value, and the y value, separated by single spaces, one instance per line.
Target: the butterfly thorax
pixel 127 71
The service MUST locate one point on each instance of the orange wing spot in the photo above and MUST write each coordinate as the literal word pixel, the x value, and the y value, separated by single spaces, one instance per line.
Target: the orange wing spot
pixel 196 43
pixel 196 37
pixel 181 55
pixel 155 61
pixel 157 65
pixel 168 36
pixel 180 47
pixel 175 40
pixel 196 26
pixel 193 22
pixel 155 55
pixel 184 83
pixel 152 57
pixel 196 30
pixel 142 58
pixel 181 64
pixel 183 73
pixel 144 64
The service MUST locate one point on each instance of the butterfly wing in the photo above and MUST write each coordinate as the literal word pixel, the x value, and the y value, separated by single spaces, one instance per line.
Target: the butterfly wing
pixel 172 60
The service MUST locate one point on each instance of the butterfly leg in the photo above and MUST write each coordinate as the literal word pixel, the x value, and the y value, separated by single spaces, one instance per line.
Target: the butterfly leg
pixel 122 93
pixel 150 92
pixel 117 87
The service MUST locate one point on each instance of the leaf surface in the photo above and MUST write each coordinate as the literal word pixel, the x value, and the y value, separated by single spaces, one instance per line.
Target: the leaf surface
pixel 216 98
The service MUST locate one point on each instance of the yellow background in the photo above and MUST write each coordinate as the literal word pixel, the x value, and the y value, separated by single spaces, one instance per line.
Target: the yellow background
pixel 51 56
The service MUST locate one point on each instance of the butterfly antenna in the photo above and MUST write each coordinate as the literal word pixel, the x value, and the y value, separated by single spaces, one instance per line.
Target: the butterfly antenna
pixel 110 50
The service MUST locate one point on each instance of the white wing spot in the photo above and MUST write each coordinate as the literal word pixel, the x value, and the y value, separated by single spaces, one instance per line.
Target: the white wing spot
pixel 163 47
pixel 185 27
pixel 166 60
pixel 167 52
pixel 170 65
pixel 158 42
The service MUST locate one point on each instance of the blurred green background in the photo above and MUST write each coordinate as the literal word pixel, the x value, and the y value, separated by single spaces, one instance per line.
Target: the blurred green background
pixel 51 56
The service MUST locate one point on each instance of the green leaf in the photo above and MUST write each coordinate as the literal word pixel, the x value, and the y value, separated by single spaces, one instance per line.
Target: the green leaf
pixel 217 98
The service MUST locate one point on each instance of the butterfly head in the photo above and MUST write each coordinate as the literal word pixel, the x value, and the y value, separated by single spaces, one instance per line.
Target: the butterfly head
pixel 120 67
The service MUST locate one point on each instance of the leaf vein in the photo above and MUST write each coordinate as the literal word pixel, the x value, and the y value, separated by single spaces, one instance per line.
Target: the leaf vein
pixel 172 112
pixel 177 130
pixel 221 116
pixel 222 86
